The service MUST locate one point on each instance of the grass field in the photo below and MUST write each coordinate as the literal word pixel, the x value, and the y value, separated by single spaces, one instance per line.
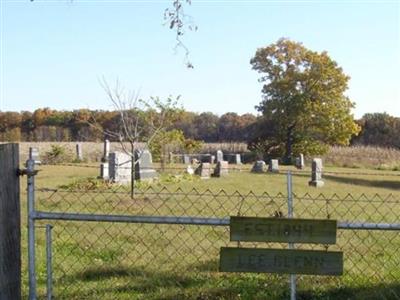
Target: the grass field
pixel 147 261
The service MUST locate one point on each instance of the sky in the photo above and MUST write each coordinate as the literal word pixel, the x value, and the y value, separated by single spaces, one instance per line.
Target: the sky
pixel 54 53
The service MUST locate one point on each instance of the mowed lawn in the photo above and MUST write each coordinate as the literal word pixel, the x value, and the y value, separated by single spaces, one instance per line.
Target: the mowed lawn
pixel 147 261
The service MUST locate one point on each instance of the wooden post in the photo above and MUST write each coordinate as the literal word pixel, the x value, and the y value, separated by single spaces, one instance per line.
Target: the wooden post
pixel 10 223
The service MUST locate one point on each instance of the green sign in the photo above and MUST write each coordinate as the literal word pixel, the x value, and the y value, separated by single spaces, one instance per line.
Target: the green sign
pixel 283 261
pixel 251 229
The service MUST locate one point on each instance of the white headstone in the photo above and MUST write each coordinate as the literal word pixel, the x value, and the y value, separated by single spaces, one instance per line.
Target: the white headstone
pixel 238 159
pixel 104 173
pixel 189 170
pixel 34 155
pixel 220 156
pixel 273 166
pixel 212 159
pixel 120 167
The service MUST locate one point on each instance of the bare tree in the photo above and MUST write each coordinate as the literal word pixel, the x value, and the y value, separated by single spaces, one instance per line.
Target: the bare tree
pixel 140 121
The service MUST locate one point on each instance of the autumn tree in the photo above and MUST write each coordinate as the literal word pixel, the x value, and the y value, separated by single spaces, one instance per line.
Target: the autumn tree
pixel 303 100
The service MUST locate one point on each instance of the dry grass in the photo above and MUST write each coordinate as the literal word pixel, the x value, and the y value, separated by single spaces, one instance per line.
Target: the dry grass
pixel 364 157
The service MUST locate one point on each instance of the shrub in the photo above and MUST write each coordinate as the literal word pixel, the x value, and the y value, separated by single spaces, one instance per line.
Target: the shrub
pixel 57 154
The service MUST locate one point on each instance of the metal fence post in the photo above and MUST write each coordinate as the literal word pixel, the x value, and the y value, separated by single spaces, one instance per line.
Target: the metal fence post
pixel 291 245
pixel 49 266
pixel 30 172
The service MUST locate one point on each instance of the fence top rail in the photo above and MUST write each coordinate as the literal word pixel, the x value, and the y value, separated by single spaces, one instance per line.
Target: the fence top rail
pixel 41 215
pixel 164 191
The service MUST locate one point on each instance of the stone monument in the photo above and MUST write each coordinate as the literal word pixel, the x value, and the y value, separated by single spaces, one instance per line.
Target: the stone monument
pixel 220 156
pixel 204 171
pixel 119 167
pixel 300 162
pixel 237 159
pixel 221 169
pixel 258 166
pixel 34 155
pixel 273 166
pixel 79 153
pixel 144 165
pixel 316 173
pixel 186 159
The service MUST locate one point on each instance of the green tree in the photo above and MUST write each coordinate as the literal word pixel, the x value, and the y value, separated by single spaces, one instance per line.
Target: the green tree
pixel 303 100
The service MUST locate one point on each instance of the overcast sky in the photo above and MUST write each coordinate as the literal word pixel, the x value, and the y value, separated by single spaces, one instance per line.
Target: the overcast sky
pixel 54 52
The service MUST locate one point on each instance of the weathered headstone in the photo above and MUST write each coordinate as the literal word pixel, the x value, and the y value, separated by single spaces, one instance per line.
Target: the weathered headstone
pixel 220 156
pixel 273 166
pixel 221 169
pixel 300 162
pixel 120 167
pixel 237 159
pixel 106 150
pixel 144 165
pixel 79 153
pixel 204 170
pixel 316 173
pixel 170 157
pixel 34 154
pixel 258 166
pixel 186 159
pixel 104 172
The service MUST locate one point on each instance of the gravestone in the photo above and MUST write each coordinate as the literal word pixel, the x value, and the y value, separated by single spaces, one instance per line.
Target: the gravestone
pixel 221 169
pixel 300 162
pixel 34 155
pixel 204 170
pixel 144 165
pixel 212 159
pixel 237 159
pixel 106 150
pixel 170 157
pixel 186 159
pixel 258 166
pixel 273 166
pixel 104 172
pixel 119 167
pixel 79 154
pixel 316 173
pixel 220 156
pixel 189 170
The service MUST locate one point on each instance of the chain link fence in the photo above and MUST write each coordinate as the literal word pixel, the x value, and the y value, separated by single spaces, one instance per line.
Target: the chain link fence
pixel 169 248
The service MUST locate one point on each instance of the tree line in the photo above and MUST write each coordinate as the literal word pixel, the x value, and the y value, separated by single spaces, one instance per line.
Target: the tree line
pixel 48 125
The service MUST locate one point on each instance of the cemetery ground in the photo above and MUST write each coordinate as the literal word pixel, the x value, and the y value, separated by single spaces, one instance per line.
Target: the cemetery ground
pixel 94 260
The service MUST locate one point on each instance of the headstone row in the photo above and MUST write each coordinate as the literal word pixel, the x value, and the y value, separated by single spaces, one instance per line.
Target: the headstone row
pixel 119 167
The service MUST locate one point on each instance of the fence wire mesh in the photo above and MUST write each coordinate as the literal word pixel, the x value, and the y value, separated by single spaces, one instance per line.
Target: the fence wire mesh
pixel 99 260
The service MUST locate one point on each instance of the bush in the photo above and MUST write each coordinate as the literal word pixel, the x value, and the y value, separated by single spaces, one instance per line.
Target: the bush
pixel 57 154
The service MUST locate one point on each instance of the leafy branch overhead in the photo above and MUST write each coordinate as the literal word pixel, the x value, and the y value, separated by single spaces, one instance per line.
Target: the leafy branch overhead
pixel 179 21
